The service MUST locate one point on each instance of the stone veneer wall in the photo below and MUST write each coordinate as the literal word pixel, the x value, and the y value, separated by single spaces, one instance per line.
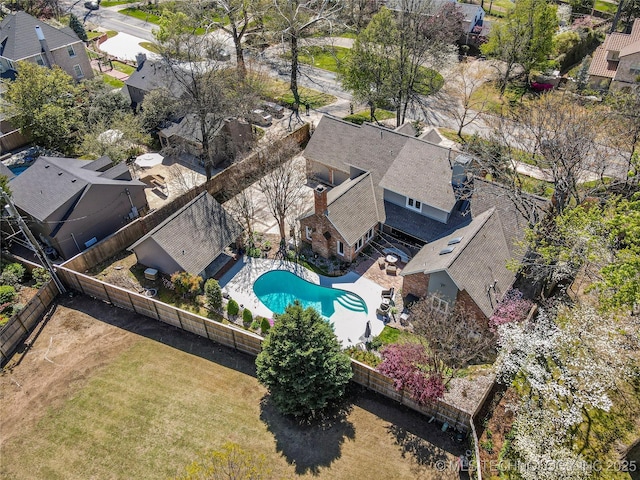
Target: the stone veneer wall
pixel 416 284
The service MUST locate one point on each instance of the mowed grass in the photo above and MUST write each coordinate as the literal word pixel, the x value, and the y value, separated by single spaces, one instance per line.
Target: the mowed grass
pixel 280 92
pixel 152 410
pixel 328 57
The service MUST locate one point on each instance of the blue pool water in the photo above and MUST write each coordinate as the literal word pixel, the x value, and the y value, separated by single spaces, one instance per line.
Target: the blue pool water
pixel 279 288
pixel 18 170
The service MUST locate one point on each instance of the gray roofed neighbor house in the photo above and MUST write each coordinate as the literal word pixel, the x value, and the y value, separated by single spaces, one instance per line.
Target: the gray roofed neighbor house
pixel 152 75
pixel 99 165
pixel 352 208
pixel 52 181
pixel 18 38
pixel 196 234
pixel 474 263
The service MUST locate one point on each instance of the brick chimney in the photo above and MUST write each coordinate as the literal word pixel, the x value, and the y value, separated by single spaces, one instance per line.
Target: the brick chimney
pixel 320 199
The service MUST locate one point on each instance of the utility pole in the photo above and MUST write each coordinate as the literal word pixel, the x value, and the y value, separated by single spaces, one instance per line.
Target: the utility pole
pixel 44 260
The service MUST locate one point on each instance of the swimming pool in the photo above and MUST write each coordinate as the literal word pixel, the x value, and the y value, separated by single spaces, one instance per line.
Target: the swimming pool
pixel 279 288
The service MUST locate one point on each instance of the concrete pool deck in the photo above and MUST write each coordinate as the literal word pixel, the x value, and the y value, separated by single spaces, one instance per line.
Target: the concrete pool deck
pixel 349 326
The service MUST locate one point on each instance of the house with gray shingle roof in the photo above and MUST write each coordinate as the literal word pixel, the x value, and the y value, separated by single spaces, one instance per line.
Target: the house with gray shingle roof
pixel 616 63
pixel 468 263
pixel 417 191
pixel 152 75
pixel 192 240
pixel 71 204
pixel 25 38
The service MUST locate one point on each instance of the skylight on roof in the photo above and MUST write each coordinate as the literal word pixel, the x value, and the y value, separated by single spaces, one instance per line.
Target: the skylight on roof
pixel 453 241
pixel 446 250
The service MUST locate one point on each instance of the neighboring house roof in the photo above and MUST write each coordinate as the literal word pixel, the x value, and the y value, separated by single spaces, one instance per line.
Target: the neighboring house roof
pixel 196 234
pixel 18 38
pixel 474 263
pixel 470 11
pixel 52 181
pixel 352 208
pixel 152 75
pixel 4 170
pixel 628 43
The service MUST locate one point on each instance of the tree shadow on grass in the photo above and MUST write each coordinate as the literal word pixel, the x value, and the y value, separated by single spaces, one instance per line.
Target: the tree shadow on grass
pixel 161 332
pixel 309 444
pixel 418 439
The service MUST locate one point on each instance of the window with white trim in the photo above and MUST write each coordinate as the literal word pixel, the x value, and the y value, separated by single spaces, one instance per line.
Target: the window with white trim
pixel 414 204
pixel 340 248
pixel 78 71
pixel 10 65
pixel 359 243
pixel 308 231
pixel 40 60
pixel 71 51
pixel 439 304
pixel 369 234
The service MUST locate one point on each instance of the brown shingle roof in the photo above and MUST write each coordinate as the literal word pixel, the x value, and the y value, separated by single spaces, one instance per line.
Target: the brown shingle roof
pixel 618 42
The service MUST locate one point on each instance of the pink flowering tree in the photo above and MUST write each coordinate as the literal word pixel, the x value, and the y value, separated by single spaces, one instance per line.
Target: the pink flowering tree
pixel 513 308
pixel 408 364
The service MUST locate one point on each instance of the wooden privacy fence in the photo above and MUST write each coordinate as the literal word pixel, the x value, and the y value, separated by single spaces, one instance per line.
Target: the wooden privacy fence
pixel 223 185
pixel 245 341
pixel 22 323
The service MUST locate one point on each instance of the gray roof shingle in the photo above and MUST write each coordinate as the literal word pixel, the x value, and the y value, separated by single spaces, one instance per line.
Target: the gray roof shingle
pixel 196 234
pixel 474 263
pixel 52 181
pixel 18 39
pixel 153 74
pixel 352 208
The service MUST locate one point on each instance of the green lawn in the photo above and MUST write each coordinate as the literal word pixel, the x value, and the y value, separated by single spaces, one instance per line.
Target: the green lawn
pixel 328 58
pixel 140 15
pixel 360 117
pixel 123 67
pixel 150 46
pixel 113 3
pixel 113 82
pixel 607 7
pixel 279 91
pixel 164 397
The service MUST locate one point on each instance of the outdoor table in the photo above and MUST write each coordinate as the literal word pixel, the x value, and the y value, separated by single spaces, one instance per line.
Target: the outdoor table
pixel 392 259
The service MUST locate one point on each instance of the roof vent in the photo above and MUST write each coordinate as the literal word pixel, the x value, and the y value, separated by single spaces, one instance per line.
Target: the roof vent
pixel 74 180
pixel 59 173
pixel 47 166
pixel 446 250
pixel 453 241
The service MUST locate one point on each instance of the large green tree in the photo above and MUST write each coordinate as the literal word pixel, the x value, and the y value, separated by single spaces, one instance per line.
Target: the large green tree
pixel 386 65
pixel 45 104
pixel 369 69
pixel 301 362
pixel 525 39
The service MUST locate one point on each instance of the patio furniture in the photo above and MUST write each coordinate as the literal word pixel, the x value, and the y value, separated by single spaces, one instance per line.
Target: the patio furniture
pixel 391 269
pixel 381 262
pixel 391 259
pixel 388 293
pixel 383 309
pixel 404 318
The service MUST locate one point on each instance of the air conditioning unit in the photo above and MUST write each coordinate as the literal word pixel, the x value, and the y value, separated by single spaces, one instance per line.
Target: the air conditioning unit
pixel 151 274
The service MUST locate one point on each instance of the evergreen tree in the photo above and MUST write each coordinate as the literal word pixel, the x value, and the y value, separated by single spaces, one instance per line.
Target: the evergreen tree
pixel 301 362
pixel 76 26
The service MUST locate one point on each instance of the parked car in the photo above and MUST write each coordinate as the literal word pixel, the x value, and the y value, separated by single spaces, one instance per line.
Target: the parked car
pixel 92 5
pixel 274 109
pixel 260 117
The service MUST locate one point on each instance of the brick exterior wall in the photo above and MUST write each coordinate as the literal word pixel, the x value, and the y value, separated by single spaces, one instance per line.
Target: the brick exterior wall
pixel 415 284
pixel 463 299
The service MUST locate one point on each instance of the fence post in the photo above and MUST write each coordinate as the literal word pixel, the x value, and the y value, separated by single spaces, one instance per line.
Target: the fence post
pixel 106 293
pixel 179 319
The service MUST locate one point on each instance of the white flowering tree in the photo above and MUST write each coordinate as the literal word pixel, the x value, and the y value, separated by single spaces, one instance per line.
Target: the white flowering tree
pixel 564 367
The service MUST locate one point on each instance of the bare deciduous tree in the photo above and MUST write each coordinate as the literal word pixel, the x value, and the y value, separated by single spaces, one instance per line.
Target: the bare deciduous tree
pixel 294 19
pixel 284 185
pixel 210 92
pixel 454 339
pixel 461 96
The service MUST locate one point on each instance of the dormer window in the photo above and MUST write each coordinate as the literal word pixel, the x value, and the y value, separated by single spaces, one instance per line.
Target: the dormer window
pixel 414 204
pixel 613 56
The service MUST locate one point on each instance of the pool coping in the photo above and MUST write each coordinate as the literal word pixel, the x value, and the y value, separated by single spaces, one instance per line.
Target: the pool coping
pixel 238 283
